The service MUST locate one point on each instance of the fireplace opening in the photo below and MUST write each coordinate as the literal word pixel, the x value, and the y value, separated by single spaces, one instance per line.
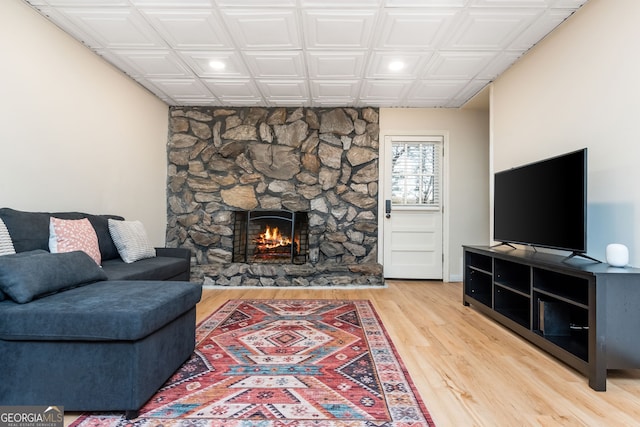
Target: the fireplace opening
pixel 278 237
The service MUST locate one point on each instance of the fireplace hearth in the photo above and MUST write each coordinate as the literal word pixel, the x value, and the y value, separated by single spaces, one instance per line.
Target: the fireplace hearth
pixel 274 237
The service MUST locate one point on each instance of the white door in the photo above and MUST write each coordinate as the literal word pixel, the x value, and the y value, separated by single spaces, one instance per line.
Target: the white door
pixel 413 208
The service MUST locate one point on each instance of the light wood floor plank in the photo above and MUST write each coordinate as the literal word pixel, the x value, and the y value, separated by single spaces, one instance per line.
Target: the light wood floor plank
pixel 469 370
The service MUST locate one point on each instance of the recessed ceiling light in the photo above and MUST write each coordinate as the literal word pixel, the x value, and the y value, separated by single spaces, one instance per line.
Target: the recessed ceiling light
pixel 396 65
pixel 217 65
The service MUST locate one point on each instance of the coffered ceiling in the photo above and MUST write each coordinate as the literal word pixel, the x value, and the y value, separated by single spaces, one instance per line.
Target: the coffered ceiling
pixel 385 53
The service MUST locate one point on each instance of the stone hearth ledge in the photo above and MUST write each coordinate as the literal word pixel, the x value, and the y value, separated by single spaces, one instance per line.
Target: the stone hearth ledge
pixel 289 275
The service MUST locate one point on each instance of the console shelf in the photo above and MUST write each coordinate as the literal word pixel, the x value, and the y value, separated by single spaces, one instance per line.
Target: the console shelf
pixel 584 313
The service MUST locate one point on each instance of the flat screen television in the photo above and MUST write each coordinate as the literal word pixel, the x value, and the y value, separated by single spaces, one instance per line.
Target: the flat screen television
pixel 544 203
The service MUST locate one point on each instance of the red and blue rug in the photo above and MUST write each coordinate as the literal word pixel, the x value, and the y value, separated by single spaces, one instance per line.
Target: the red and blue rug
pixel 285 363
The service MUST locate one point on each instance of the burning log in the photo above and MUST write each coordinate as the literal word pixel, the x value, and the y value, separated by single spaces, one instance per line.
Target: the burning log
pixel 272 242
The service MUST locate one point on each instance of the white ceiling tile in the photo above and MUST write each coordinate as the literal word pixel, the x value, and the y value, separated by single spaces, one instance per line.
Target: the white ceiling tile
pixel 55 15
pixel 234 90
pixel 244 102
pixel 182 88
pixel 381 60
pixel 263 29
pixel 414 28
pixel 189 29
pixel 490 29
pixel 114 27
pixel 538 29
pixel 328 103
pixel 339 3
pixel 283 90
pixel 287 64
pixel 199 63
pixel 421 104
pixel 435 92
pixel 338 64
pixel 425 3
pixel 172 3
pixel 338 29
pixel 511 3
pixel 573 4
pixel 151 63
pixel 288 103
pixel 335 90
pixel 58 3
pixel 498 65
pixel 152 88
pixel 458 65
pixel 384 90
pixel 256 3
pixel 208 102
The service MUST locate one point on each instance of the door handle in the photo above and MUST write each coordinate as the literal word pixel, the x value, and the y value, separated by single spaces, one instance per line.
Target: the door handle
pixel 387 208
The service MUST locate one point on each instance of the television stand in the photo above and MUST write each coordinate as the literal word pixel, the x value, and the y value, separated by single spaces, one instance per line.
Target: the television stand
pixel 582 255
pixel 583 313
pixel 503 244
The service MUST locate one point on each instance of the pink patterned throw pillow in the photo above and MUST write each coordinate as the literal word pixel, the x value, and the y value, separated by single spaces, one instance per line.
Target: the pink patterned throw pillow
pixel 68 235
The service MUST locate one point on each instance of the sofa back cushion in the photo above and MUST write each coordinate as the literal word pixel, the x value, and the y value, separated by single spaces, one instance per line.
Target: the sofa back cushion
pixel 30 230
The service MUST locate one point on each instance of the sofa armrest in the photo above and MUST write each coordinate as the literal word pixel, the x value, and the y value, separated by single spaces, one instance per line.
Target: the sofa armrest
pixel 174 252
pixel 183 253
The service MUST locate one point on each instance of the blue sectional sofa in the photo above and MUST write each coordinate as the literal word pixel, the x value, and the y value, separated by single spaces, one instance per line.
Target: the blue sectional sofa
pixel 84 336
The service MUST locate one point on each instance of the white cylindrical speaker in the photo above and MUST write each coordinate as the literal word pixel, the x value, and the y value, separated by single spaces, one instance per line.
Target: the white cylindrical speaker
pixel 617 255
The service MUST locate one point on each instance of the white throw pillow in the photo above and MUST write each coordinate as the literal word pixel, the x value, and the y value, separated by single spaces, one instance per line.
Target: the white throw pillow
pixel 6 244
pixel 131 240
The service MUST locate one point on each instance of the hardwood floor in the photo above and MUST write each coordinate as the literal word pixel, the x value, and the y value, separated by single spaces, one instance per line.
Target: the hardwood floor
pixel 469 370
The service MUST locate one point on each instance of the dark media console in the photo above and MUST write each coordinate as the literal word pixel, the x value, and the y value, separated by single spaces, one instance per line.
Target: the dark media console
pixel 585 313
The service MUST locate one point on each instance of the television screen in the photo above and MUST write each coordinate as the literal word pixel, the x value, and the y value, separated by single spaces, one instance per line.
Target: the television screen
pixel 543 203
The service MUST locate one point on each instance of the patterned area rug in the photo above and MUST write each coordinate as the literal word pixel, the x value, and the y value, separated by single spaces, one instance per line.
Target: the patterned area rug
pixel 285 363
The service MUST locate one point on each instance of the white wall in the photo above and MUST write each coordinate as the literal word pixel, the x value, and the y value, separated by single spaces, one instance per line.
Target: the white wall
pixel 579 88
pixel 75 133
pixel 468 174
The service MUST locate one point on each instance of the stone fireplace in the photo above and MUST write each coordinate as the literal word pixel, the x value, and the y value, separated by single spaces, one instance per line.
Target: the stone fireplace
pixel 312 171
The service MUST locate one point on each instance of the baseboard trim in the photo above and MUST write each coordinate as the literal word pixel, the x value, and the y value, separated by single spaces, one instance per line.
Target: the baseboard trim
pixel 354 287
pixel 455 278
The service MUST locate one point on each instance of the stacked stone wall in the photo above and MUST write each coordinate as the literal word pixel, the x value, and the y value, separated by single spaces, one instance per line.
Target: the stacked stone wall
pixel 321 161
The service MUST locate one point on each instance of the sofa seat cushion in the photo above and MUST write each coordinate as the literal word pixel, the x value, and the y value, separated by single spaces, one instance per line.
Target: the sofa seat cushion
pixel 103 311
pixel 158 268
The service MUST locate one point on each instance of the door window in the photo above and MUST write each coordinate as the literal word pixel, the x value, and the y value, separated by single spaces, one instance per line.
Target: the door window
pixel 415 174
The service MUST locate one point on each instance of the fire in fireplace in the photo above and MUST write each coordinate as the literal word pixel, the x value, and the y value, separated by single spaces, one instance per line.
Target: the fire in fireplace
pixel 271 237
